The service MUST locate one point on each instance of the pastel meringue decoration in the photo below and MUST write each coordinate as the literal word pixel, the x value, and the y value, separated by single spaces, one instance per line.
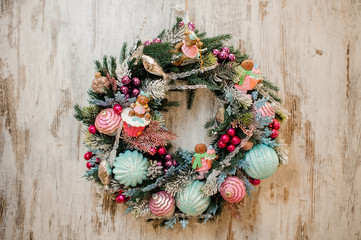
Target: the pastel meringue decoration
pixel 162 204
pixel 266 110
pixel 108 122
pixel 191 200
pixel 130 168
pixel 261 162
pixel 233 190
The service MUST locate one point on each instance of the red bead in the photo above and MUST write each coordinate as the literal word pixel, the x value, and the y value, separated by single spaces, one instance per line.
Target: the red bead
pixel 175 163
pixel 235 140
pixel 153 151
pixel 223 55
pixel 157 40
pixel 147 43
pixel 89 165
pixel 274 133
pixel 225 138
pixel 215 52
pixel 225 49
pixel 221 144
pixel 120 199
pixel 231 132
pixel 97 161
pixel 231 148
pixel 168 163
pixel 276 124
pixel 92 129
pixel 168 157
pixel 124 89
pixel 126 80
pixel 162 151
pixel 255 181
pixel 118 109
pixel 231 57
pixel 159 163
pixel 88 155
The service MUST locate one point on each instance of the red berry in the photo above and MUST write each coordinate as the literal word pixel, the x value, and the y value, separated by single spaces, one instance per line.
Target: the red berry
pixel 225 138
pixel 168 163
pixel 162 151
pixel 274 133
pixel 92 129
pixel 118 109
pixel 276 124
pixel 97 161
pixel 120 191
pixel 235 140
pixel 89 165
pixel 88 155
pixel 231 148
pixel 231 132
pixel 120 198
pixel 168 157
pixel 221 144
pixel 255 181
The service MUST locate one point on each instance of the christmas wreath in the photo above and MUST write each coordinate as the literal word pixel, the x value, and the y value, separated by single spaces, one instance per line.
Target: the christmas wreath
pixel 128 140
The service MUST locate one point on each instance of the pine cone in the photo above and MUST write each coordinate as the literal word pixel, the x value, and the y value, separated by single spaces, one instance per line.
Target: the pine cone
pixel 99 83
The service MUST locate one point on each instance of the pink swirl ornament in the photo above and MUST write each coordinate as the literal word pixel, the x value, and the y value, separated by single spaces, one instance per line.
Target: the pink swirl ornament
pixel 108 122
pixel 233 190
pixel 162 204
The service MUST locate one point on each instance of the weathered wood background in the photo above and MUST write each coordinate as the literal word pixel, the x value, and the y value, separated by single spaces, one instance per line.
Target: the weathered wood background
pixel 311 49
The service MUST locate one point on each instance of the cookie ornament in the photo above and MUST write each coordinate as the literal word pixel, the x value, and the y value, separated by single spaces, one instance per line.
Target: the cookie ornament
pixel 202 159
pixel 250 75
pixel 137 117
pixel 108 122
pixel 189 48
pixel 233 190
pixel 162 204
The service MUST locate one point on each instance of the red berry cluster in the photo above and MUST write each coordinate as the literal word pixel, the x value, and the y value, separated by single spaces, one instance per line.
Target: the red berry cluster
pixel 155 41
pixel 255 181
pixel 121 198
pixel 130 87
pixel 229 138
pixel 224 55
pixel 87 157
pixel 166 159
pixel 275 126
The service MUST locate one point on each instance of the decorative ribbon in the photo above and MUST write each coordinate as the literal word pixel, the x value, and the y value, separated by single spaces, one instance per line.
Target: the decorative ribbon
pixel 198 160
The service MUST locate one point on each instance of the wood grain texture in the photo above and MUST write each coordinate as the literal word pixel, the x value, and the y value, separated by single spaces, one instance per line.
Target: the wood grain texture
pixel 311 49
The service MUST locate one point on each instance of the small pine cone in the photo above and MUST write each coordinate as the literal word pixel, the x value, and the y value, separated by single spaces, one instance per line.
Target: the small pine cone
pixel 99 83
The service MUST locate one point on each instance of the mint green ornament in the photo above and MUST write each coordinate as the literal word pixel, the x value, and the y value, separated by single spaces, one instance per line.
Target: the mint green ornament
pixel 261 161
pixel 191 200
pixel 130 168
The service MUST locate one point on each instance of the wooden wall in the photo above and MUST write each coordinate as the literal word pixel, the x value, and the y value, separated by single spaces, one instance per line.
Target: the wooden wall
pixel 311 49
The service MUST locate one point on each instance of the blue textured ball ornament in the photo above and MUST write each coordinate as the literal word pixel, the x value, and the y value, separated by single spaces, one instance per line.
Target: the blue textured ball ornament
pixel 261 161
pixel 191 200
pixel 130 168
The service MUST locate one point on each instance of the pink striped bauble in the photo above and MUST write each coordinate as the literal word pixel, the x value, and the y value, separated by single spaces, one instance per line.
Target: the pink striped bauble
pixel 266 110
pixel 162 204
pixel 233 190
pixel 108 121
